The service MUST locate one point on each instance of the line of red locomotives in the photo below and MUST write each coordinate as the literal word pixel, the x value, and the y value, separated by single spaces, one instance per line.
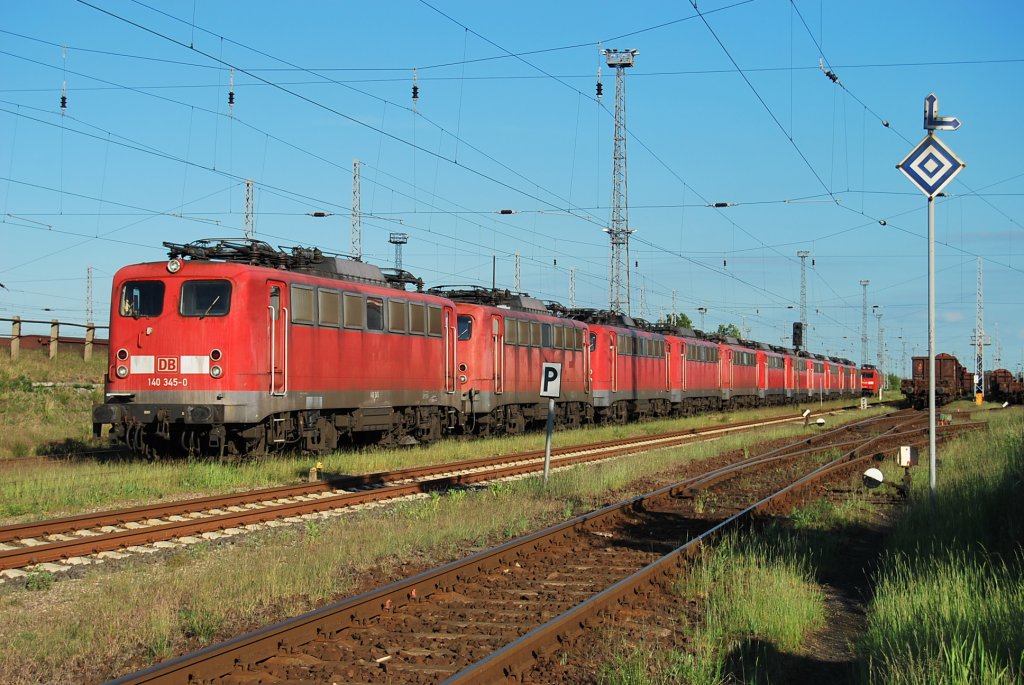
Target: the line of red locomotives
pixel 234 347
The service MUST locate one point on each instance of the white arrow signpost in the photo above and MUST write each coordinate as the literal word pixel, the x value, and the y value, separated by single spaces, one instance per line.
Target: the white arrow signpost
pixel 550 387
pixel 931 166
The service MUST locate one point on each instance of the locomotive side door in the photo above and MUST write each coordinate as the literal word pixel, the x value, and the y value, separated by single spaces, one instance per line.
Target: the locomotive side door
pixel 450 355
pixel 277 334
pixel 613 351
pixel 498 341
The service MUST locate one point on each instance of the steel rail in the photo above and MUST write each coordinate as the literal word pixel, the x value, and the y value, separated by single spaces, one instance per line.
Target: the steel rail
pixel 119 517
pixel 366 608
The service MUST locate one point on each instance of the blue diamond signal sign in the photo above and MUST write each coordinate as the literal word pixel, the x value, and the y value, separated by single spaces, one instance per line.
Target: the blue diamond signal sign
pixel 931 166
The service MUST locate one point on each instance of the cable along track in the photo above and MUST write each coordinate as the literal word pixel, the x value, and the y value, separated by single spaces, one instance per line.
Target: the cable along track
pixel 513 613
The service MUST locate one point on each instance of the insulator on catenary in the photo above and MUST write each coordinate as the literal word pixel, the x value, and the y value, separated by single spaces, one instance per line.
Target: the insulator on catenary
pixel 600 89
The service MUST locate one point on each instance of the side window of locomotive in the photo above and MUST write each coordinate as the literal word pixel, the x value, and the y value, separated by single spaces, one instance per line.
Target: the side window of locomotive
pixel 465 327
pixel 142 298
pixel 545 335
pixel 329 307
pixel 302 304
pixel 559 341
pixel 396 316
pixel 593 342
pixel 435 324
pixel 511 329
pixel 534 333
pixel 355 311
pixel 374 314
pixel 417 318
pixel 205 298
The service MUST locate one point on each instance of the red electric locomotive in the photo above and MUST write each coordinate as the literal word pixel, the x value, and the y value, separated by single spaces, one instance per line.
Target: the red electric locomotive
pixel 235 347
pixel 504 339
pixel 696 379
pixel 870 379
pixel 629 366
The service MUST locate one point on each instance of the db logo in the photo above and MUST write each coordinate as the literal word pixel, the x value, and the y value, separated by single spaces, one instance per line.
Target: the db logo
pixel 167 365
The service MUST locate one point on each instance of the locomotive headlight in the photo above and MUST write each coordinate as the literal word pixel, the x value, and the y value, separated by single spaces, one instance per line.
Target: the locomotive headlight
pixel 174 265
pixel 462 378
pixel 122 354
pixel 122 371
pixel 216 371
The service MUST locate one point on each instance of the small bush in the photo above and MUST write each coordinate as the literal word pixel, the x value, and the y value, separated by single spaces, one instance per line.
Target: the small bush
pixel 39 580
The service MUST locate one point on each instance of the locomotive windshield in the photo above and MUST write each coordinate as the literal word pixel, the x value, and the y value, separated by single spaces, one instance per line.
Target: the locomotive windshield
pixel 205 298
pixel 142 298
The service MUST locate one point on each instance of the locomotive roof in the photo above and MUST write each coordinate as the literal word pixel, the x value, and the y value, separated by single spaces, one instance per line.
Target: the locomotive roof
pixel 494 297
pixel 310 260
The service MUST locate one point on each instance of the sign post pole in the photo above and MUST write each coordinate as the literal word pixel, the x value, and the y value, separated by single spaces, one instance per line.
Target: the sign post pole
pixel 547 442
pixel 550 387
pixel 931 166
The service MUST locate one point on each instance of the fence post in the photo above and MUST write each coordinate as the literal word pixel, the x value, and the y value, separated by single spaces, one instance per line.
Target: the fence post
pixel 54 334
pixel 15 337
pixel 90 333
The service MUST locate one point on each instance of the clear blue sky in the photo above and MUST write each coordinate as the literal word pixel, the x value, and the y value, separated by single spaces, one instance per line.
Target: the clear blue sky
pixel 729 106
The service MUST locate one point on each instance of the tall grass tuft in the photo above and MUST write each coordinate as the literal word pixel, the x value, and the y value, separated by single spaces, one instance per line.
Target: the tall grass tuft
pixel 949 604
pixel 760 600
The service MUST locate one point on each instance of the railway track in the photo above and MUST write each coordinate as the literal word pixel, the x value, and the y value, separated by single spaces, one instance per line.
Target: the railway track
pixel 516 613
pixel 63 543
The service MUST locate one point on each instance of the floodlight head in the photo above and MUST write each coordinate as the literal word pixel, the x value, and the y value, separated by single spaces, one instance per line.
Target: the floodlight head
pixel 820 422
pixel 807 412
pixel 620 58
pixel 1005 405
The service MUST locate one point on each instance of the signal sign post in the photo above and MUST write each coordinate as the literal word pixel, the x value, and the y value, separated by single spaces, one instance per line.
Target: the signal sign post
pixel 931 166
pixel 550 387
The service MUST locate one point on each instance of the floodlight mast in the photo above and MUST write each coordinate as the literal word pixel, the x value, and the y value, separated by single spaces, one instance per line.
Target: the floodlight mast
pixel 398 239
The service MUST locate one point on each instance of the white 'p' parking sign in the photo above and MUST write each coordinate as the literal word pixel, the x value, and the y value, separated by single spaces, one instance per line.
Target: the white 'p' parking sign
pixel 551 380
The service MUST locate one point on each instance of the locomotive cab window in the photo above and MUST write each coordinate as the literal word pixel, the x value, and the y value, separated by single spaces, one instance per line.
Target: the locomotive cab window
pixel 465 324
pixel 142 298
pixel 205 298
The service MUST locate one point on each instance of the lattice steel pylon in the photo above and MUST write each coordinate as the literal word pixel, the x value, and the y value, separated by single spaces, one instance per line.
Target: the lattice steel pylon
pixel 803 255
pixel 357 214
pixel 619 230
pixel 250 222
pixel 88 295
pixel 864 326
pixel 979 338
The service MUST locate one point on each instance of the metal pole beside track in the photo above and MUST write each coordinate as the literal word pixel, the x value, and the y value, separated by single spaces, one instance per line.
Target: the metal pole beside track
pixel 547 442
pixel 931 350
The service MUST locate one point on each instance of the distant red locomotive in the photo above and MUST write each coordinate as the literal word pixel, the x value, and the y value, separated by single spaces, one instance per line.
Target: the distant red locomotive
pixel 232 347
pixel 501 351
pixel 870 380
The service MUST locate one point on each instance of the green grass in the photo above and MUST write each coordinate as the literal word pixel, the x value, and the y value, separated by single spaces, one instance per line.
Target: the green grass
pixel 39 491
pixel 44 420
pixel 949 606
